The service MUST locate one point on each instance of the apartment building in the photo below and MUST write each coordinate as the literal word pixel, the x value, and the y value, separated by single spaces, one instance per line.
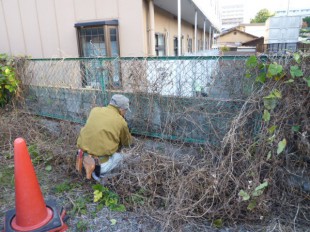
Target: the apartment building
pixel 105 28
pixel 232 15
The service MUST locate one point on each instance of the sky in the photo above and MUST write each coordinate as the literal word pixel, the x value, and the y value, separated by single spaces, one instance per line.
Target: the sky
pixel 253 6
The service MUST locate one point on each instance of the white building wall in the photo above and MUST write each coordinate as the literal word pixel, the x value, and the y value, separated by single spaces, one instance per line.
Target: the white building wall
pixel 13 26
pixel 282 29
pixel 5 46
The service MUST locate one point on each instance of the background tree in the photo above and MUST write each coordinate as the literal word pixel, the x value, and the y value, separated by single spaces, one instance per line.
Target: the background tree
pixel 262 16
pixel 307 20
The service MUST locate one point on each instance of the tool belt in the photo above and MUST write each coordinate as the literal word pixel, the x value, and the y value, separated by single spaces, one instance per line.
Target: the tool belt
pixel 89 162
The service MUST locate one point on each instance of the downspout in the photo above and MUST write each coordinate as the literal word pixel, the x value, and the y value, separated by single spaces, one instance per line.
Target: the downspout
pixel 204 35
pixel 167 43
pixel 179 27
pixel 213 37
pixel 196 31
pixel 151 29
pixel 210 37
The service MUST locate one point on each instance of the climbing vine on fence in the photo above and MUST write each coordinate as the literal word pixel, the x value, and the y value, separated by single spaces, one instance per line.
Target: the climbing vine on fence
pixel 8 81
pixel 276 72
pixel 267 73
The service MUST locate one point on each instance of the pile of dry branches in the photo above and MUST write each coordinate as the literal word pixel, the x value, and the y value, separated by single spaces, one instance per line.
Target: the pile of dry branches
pixel 177 190
pixel 205 185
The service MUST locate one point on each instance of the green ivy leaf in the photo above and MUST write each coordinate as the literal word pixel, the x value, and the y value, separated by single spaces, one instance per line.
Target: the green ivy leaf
pixel 274 94
pixel 266 116
pixel 270 103
pixel 296 71
pixel 271 139
pixel 289 81
pixel 257 193
pixel 269 155
pixel 218 223
pixel 48 168
pixel 113 222
pixel 251 62
pixel 277 93
pixel 281 146
pixel 307 80
pixel 259 189
pixel 297 58
pixel 261 78
pixel 252 205
pixel 274 69
pixel 295 128
pixel 262 186
pixel 272 129
pixel 245 196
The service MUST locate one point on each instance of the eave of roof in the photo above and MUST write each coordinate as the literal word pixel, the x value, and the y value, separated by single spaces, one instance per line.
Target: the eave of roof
pixel 234 29
pixel 188 9
pixel 253 40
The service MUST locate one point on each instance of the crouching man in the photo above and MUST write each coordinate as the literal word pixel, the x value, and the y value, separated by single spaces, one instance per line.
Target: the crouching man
pixel 104 133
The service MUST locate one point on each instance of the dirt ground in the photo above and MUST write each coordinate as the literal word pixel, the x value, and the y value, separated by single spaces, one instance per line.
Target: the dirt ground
pixel 52 147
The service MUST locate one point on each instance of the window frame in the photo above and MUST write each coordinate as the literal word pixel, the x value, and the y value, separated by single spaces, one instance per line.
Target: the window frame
pixel 106 26
pixel 159 48
pixel 114 68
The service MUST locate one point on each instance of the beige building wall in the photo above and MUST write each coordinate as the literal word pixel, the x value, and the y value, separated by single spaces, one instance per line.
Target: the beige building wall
pixel 45 28
pixel 167 24
pixel 234 37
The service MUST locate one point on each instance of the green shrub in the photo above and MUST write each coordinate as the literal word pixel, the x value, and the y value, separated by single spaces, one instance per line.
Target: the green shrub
pixel 8 81
pixel 224 49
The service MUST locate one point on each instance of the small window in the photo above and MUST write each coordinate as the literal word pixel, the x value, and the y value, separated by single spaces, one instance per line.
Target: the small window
pixel 160 44
pixel 99 39
pixel 175 45
pixel 190 45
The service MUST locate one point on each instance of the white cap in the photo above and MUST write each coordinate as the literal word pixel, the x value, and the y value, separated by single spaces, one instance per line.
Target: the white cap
pixel 120 101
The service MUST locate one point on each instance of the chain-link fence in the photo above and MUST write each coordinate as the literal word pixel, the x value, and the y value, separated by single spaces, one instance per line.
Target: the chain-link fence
pixel 191 99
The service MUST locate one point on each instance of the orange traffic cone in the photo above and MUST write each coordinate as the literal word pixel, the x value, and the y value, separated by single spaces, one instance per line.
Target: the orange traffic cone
pixel 31 212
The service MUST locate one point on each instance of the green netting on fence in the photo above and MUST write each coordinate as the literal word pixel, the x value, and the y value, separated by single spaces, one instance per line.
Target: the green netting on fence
pixel 191 99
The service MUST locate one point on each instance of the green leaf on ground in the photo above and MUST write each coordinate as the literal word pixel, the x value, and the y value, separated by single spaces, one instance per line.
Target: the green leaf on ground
pixel 97 195
pixel 295 128
pixel 266 116
pixel 281 146
pixel 289 81
pixel 245 196
pixel 269 155
pixel 48 168
pixel 307 80
pixel 262 186
pixel 218 223
pixel 113 222
pixel 252 205
pixel 270 103
pixel 272 129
